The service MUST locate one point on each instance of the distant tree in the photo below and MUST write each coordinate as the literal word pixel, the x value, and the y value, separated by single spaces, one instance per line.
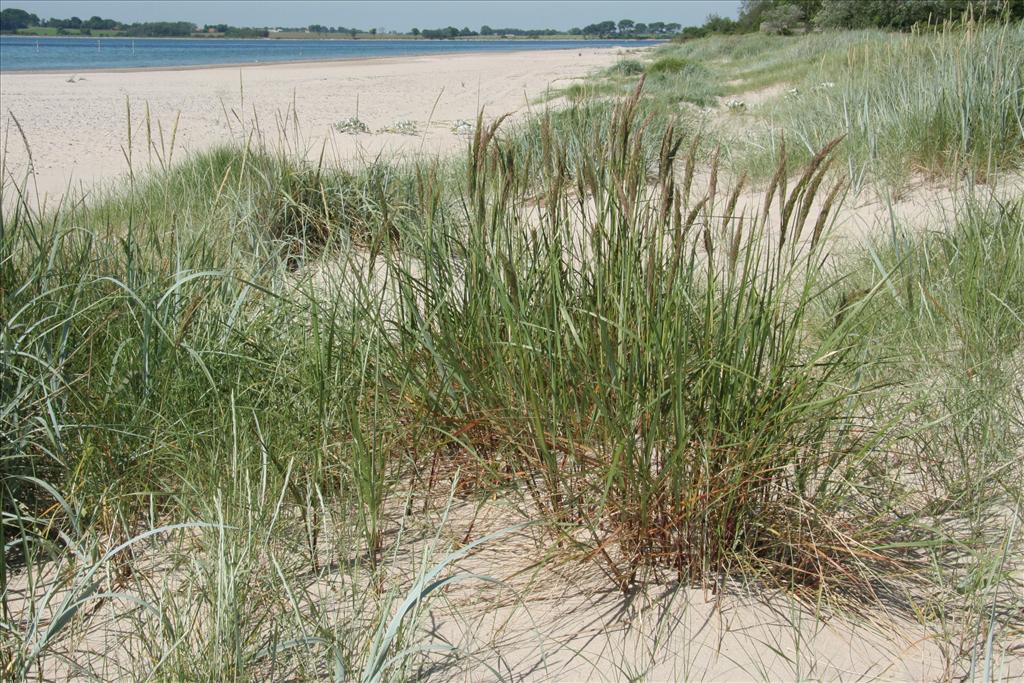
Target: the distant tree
pixel 238 32
pixel 160 29
pixel 781 19
pixel 673 27
pixel 692 33
pixel 447 32
pixel 11 19
pixel 603 29
pixel 373 31
pixel 842 14
pixel 626 25
pixel 486 30
pixel 576 31
pixel 718 24
pixel 640 28
pixel 905 14
pixel 415 31
pixel 752 12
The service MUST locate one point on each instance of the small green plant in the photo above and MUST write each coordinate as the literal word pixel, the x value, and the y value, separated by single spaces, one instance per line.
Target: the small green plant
pixel 462 127
pixel 627 67
pixel 668 65
pixel 352 126
pixel 404 127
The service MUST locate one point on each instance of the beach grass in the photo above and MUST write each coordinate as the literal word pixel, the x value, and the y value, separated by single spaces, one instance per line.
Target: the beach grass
pixel 934 104
pixel 243 395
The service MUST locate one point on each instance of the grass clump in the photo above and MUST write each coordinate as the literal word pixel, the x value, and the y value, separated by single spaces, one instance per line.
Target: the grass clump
pixel 627 67
pixel 942 309
pixel 667 65
pixel 170 375
pixel 641 371
pixel 671 80
pixel 948 306
pixel 676 80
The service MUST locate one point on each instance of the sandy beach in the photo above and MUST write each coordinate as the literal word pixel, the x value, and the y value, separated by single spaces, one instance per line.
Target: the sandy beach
pixel 77 125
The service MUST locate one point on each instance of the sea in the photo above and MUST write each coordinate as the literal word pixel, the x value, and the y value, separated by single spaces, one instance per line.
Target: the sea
pixel 29 53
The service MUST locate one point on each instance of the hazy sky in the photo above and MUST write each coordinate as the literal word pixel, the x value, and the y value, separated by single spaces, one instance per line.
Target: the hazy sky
pixel 399 15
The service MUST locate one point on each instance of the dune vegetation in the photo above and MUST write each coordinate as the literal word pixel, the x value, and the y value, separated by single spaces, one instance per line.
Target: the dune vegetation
pixel 245 396
pixel 936 102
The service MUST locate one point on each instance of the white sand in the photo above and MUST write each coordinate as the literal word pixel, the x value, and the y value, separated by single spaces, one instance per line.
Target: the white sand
pixel 78 131
pixel 534 620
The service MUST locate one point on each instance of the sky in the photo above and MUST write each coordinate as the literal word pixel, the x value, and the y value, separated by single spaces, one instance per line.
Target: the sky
pixel 397 15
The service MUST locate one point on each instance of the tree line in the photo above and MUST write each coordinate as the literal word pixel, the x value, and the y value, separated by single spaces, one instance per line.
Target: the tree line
pixel 771 16
pixel 786 16
pixel 13 20
pixel 485 31
pixel 318 28
pixel 627 28
pixel 624 28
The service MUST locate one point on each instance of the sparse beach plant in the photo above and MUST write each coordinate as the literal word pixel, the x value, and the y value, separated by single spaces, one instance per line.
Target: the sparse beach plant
pixel 462 127
pixel 627 67
pixel 668 65
pixel 352 126
pixel 404 127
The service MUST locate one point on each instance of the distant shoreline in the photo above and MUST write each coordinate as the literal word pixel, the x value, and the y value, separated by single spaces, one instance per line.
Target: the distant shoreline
pixel 610 44
pixel 281 62
pixel 364 38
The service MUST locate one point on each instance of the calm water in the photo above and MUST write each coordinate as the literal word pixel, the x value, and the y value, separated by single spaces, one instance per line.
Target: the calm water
pixel 26 53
